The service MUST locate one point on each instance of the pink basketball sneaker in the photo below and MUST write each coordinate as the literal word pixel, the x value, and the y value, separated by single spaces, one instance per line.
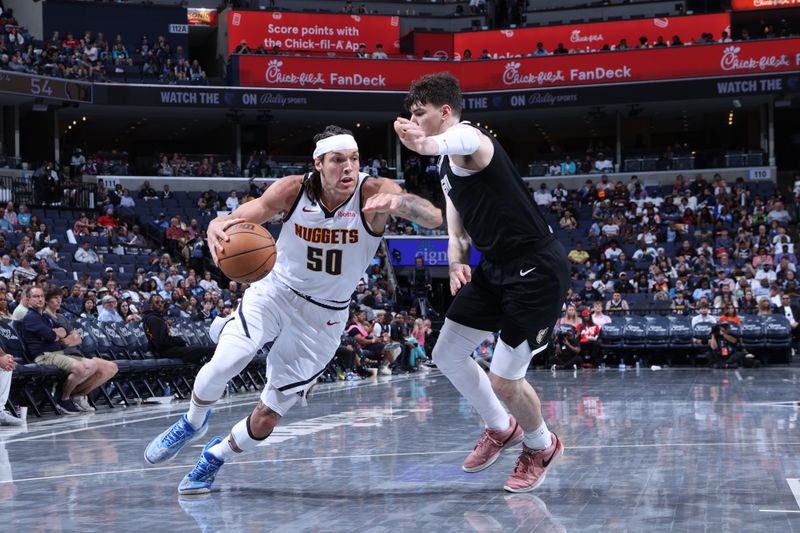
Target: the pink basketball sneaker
pixel 532 466
pixel 489 446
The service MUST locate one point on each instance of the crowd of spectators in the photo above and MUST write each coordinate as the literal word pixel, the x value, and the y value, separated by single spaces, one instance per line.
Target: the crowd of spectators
pixel 705 247
pixel 93 57
pixel 176 164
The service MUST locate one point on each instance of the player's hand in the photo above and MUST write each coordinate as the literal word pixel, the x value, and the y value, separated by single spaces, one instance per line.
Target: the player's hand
pixel 216 234
pixel 460 275
pixel 410 134
pixel 8 363
pixel 383 203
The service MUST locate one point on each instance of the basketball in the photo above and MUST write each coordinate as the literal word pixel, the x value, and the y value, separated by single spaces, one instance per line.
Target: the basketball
pixel 250 253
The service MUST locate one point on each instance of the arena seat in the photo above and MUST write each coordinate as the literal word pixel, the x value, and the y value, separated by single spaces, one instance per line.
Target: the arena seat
pixel 778 335
pixel 611 334
pixel 680 333
pixel 753 337
pixel 657 332
pixel 634 333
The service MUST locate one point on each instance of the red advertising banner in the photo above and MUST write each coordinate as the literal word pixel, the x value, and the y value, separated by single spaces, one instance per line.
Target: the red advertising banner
pixel 340 33
pixel 745 5
pixel 198 16
pixel 720 60
pixel 589 37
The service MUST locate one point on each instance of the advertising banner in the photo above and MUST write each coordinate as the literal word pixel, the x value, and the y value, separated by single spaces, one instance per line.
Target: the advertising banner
pixel 432 250
pixel 340 33
pixel 198 16
pixel 746 5
pixel 721 60
pixel 589 37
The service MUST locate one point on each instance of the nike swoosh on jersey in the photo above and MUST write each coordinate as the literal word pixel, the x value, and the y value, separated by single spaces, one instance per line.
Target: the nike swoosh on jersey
pixel 307 210
pixel 524 273
pixel 332 323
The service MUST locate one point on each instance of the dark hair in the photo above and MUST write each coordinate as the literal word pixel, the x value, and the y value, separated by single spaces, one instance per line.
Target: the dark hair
pixel 438 89
pixel 313 185
pixel 52 293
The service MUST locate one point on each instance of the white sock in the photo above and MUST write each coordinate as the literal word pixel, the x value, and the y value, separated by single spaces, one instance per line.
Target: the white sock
pixel 538 439
pixel 197 413
pixel 223 450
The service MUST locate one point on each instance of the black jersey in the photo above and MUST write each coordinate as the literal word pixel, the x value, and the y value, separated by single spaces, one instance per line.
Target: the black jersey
pixel 496 207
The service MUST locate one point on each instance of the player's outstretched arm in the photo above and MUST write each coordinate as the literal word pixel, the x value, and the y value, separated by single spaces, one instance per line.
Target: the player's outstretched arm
pixel 276 199
pixel 383 197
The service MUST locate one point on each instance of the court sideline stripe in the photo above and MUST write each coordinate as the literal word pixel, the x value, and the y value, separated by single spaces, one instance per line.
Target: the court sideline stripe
pixel 375 455
pixel 171 414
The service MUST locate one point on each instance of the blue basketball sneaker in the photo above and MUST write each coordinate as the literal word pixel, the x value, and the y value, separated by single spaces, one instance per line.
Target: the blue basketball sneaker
pixel 200 479
pixel 167 445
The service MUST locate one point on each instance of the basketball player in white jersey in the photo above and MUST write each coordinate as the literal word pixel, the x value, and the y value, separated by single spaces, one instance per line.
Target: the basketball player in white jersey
pixel 517 288
pixel 333 222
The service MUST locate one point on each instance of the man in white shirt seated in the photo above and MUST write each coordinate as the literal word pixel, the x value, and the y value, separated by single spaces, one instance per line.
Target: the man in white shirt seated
pixel 108 312
pixel 542 197
pixel 85 254
pixel 603 164
pixel 704 316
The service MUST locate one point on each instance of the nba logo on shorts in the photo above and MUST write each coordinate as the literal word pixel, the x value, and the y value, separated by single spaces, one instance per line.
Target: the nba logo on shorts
pixel 540 335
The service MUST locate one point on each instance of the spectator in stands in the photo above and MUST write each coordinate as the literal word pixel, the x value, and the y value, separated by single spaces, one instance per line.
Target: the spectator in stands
pixel 567 166
pixel 108 310
pixel 561 49
pixel 108 220
pixel 359 329
pixel 10 214
pixel 567 350
pixel 7 366
pixel 603 164
pixel 616 304
pixel 730 315
pixel 542 197
pixel 777 213
pixel 165 345
pixel 180 309
pixel 86 254
pixel 379 53
pixel 361 53
pixel 726 349
pixel 589 338
pixel 540 50
pixel 46 341
pixel 89 308
pixel 598 316
pixel 792 313
pixel 127 200
pixel 570 318
pixel 232 202
pixel 21 308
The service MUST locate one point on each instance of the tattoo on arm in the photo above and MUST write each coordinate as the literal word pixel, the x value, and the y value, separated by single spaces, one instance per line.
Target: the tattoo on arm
pixel 418 210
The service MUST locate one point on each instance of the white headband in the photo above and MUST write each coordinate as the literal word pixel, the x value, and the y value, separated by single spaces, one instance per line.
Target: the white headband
pixel 336 142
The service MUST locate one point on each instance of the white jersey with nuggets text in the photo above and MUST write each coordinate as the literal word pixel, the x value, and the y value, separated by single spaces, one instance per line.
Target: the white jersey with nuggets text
pixel 322 254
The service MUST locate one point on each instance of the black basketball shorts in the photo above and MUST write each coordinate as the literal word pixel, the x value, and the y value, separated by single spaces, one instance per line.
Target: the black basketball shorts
pixel 521 298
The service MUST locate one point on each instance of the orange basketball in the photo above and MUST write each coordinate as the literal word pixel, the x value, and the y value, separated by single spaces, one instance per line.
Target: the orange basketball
pixel 250 253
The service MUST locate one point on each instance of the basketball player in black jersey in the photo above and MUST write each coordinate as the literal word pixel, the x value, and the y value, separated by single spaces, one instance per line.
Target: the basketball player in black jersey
pixel 518 287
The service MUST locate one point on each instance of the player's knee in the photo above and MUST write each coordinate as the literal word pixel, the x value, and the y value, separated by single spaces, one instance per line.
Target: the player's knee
pixel 504 388
pixel 262 421
pixel 109 369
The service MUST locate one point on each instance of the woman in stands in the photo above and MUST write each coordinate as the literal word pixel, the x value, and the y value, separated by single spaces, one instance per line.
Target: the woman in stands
pixel 5 314
pixel 571 318
pixel 748 304
pixel 89 309
pixel 730 315
pixel 123 308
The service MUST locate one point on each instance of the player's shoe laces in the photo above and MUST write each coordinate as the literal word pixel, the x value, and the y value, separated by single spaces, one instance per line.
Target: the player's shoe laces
pixel 167 445
pixel 200 479
pixel 532 465
pixel 491 444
